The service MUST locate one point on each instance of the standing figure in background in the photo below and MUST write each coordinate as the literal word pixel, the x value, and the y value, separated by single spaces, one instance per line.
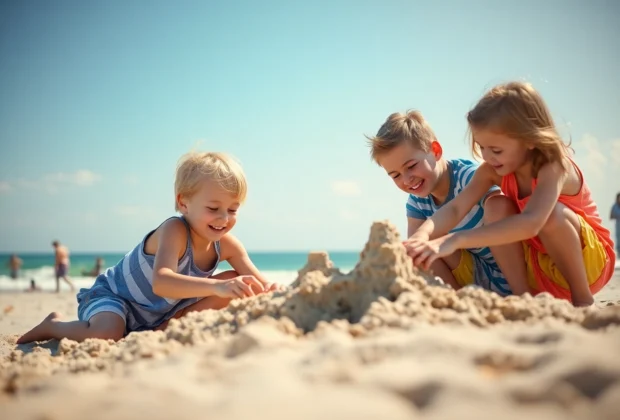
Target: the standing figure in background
pixel 615 214
pixel 61 266
pixel 14 264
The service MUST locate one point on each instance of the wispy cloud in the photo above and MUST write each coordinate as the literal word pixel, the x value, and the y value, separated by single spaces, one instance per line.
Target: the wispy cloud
pixel 134 212
pixel 346 188
pixel 131 180
pixel 53 182
pixel 348 215
pixel 89 217
pixel 599 161
pixel 593 159
pixel 128 211
pixel 615 151
pixel 82 178
pixel 5 187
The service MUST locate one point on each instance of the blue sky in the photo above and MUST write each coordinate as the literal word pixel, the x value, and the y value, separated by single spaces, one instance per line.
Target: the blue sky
pixel 99 100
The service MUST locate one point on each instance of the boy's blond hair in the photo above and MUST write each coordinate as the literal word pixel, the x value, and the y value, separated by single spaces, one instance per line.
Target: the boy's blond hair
pixel 194 167
pixel 517 110
pixel 397 128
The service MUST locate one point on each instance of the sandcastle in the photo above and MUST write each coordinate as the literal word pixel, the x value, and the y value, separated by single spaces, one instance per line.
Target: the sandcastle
pixel 383 291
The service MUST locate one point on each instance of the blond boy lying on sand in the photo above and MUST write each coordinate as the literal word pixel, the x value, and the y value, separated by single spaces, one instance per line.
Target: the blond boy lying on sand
pixel 171 271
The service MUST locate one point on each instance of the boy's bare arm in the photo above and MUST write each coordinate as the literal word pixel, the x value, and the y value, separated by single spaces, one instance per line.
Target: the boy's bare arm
pixel 172 239
pixel 235 253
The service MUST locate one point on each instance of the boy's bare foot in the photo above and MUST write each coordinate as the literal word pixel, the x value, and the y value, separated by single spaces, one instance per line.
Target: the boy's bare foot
pixel 40 332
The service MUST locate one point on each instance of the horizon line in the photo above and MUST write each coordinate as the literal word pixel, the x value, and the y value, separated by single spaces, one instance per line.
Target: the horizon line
pixel 288 251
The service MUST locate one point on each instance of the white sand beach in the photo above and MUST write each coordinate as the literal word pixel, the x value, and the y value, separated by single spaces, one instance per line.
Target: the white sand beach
pixel 379 342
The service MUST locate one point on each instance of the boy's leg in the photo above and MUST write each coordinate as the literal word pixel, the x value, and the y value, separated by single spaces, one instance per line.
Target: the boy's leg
pixel 443 268
pixel 561 237
pixel 105 325
pixel 69 282
pixel 510 258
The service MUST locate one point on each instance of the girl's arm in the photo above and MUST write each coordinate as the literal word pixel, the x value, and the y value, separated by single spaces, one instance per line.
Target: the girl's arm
pixel 413 225
pixel 449 215
pixel 171 240
pixel 525 225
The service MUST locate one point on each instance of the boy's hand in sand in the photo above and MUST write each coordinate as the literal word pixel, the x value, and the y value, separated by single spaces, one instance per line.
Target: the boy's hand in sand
pixel 275 287
pixel 425 253
pixel 239 287
pixel 270 287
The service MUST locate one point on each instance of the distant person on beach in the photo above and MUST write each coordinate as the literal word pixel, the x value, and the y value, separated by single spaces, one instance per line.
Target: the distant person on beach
pixel 61 265
pixel 33 287
pixel 96 270
pixel 171 271
pixel 15 264
pixel 615 215
pixel 409 152
pixel 568 252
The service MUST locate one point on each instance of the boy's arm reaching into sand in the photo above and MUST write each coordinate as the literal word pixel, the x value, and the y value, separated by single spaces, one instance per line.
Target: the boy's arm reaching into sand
pixel 516 228
pixel 171 242
pixel 235 253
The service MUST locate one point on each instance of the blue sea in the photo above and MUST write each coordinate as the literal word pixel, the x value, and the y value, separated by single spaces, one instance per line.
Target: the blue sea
pixel 280 267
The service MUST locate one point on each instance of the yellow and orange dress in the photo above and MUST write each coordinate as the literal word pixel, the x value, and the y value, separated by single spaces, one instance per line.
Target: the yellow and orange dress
pixel 597 246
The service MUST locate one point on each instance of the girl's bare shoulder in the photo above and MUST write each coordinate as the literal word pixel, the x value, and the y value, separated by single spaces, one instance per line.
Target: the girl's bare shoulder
pixel 488 173
pixel 573 180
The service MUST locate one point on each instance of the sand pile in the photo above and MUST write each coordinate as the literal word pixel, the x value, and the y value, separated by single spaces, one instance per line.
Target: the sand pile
pixel 383 340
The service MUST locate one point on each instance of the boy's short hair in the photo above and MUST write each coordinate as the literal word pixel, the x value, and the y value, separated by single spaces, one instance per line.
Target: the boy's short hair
pixel 397 128
pixel 194 167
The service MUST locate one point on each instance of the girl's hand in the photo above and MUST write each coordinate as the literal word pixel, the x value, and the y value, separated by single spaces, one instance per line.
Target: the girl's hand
pixel 414 241
pixel 425 253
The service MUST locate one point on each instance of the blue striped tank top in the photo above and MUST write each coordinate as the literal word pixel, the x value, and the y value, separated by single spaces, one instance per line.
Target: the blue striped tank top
pixel 131 279
pixel 461 172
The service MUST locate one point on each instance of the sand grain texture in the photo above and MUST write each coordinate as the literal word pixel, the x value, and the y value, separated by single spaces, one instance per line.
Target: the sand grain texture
pixel 378 342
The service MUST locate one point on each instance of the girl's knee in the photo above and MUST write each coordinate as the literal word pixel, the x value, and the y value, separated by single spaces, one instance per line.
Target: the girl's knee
pixel 558 218
pixel 497 208
pixel 453 260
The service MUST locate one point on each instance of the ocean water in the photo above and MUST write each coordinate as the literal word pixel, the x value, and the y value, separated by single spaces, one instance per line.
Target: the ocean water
pixel 279 267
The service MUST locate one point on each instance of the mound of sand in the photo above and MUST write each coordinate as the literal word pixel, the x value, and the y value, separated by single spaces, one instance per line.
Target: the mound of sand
pixel 383 340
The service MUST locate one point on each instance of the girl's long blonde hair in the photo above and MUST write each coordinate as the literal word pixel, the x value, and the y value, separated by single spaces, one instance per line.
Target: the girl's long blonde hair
pixel 517 110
